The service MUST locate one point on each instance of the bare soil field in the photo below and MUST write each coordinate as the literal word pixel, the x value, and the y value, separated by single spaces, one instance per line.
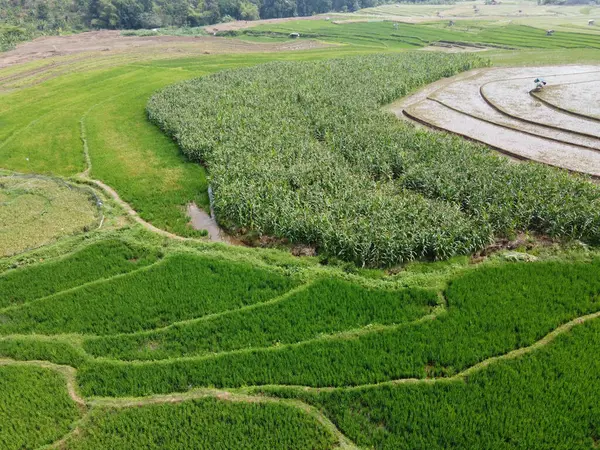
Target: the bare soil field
pixel 112 42
pixel 496 107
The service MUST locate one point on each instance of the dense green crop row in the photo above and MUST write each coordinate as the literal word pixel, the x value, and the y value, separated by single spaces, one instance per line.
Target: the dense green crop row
pixel 408 35
pixel 327 306
pixel 27 349
pixel 304 151
pixel 202 424
pixel 546 400
pixel 181 287
pixel 34 407
pixel 101 260
pixel 490 312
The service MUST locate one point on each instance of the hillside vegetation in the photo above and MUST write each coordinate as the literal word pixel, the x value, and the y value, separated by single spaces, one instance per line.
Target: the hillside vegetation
pixel 304 151
pixel 27 19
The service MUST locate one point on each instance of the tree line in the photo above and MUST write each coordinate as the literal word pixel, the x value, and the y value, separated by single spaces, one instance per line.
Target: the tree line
pixel 134 14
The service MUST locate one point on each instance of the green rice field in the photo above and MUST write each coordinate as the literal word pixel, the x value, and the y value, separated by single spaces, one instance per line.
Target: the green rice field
pixel 377 285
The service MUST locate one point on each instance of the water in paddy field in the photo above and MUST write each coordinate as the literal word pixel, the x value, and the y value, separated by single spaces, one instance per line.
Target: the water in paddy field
pixel 201 220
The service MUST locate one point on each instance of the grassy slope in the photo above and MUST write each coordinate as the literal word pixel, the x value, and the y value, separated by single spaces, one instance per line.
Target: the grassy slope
pixel 525 306
pixel 40 130
pixel 529 301
pixel 449 416
pixel 97 261
pixel 178 288
pixel 387 36
pixel 41 122
pixel 304 314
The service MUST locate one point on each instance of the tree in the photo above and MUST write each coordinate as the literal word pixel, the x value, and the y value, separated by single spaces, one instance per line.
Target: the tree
pixel 278 8
pixel 129 12
pixel 42 11
pixel 107 15
pixel 150 20
pixel 248 11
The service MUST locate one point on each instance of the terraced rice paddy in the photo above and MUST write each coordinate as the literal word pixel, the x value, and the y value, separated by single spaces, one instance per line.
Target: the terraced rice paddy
pixel 289 351
pixel 497 107
pixel 143 334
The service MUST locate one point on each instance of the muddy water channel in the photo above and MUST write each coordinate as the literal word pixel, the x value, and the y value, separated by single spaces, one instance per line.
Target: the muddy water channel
pixel 201 220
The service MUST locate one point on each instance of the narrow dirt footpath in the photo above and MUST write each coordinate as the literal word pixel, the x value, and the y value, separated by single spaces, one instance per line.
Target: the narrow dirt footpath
pixel 215 233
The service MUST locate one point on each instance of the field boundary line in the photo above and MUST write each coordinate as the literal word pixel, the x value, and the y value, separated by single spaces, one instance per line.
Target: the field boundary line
pixel 561 109
pixel 507 153
pixel 549 338
pixel 81 286
pixel 78 425
pixel 83 134
pixel 509 114
pixel 85 176
pixel 514 128
pixel 224 395
pixel 61 105
pixel 461 376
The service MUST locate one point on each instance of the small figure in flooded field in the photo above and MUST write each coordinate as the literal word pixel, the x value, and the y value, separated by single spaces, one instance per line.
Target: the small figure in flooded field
pixel 539 84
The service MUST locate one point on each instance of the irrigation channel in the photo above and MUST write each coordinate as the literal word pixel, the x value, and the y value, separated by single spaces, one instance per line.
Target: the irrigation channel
pixel 500 108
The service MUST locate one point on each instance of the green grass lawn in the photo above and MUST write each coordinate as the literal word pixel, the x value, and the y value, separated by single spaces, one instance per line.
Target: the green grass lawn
pixel 40 131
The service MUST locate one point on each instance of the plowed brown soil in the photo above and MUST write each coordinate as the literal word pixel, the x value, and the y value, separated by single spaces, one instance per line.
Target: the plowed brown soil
pixel 113 42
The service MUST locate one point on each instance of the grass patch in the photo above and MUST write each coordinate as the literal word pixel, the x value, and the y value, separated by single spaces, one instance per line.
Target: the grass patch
pixel 41 349
pixel 35 211
pixel 97 261
pixel 547 399
pixel 490 311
